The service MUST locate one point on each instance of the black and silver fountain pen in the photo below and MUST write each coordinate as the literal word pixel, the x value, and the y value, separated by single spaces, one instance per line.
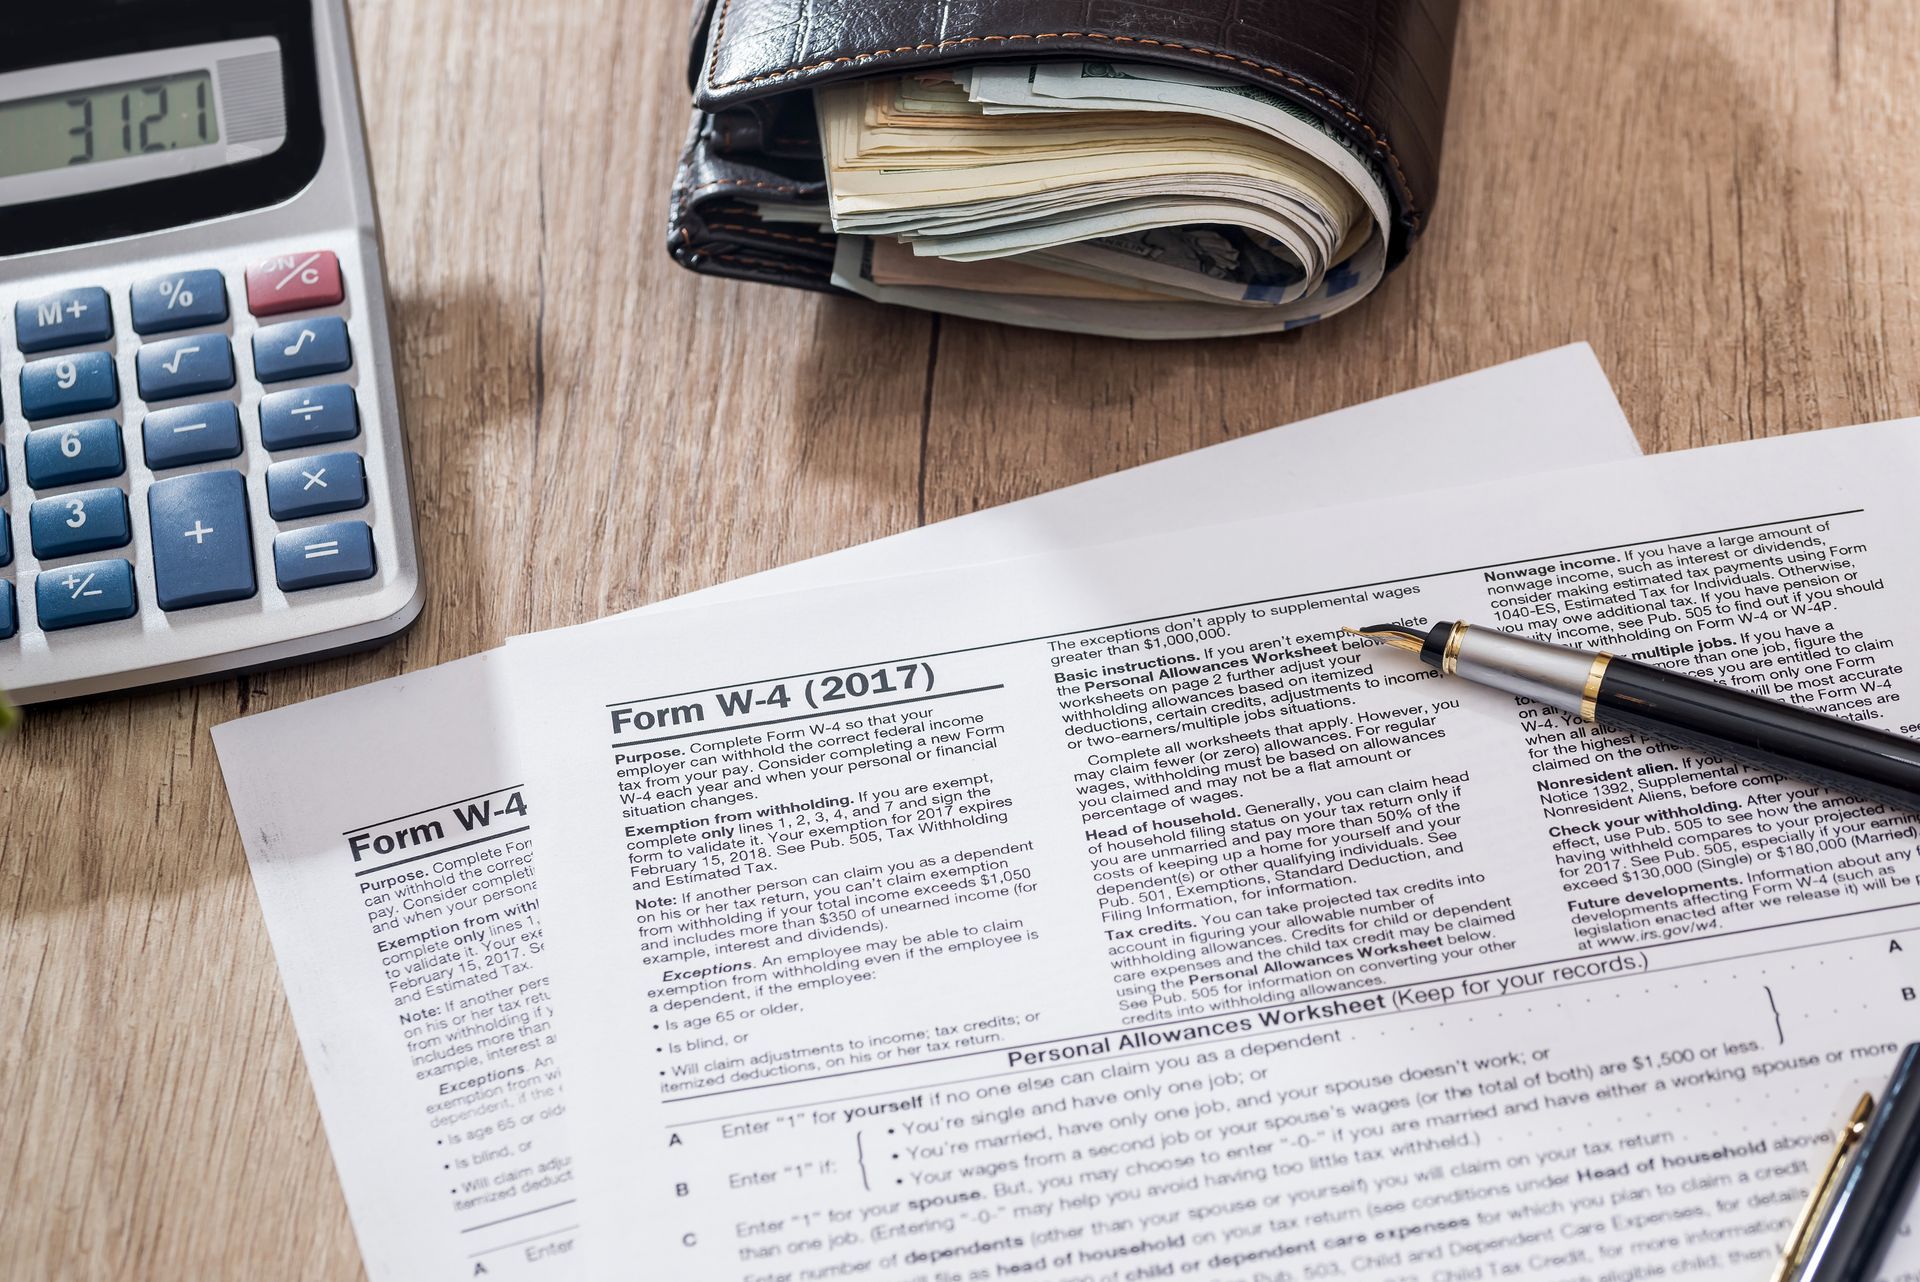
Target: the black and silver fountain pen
pixel 1624 695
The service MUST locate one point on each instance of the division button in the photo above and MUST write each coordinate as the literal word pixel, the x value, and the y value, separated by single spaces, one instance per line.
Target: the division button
pixel 91 592
pixel 340 552
pixel 189 366
pixel 66 319
pixel 315 486
pixel 293 282
pixel 179 300
pixel 202 543
pixel 308 416
pixel 76 384
pixel 184 434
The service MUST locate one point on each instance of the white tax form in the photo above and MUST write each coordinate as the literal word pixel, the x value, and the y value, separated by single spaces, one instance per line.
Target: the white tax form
pixel 400 889
pixel 1110 915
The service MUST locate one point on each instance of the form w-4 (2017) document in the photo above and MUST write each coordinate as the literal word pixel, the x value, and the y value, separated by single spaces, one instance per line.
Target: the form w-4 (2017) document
pixel 392 836
pixel 1110 915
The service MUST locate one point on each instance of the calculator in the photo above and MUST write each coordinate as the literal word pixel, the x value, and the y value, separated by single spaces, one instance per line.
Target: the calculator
pixel 203 470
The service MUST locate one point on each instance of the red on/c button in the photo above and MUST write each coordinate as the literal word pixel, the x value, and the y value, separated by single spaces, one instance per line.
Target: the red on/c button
pixel 294 281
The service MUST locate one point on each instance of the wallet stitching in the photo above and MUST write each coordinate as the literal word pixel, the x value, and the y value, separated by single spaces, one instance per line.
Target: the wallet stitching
pixel 1379 140
pixel 817 241
pixel 750 260
pixel 737 183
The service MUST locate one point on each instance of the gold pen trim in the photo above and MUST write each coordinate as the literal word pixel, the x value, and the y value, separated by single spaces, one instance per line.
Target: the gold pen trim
pixel 1813 1214
pixel 1590 693
pixel 1450 657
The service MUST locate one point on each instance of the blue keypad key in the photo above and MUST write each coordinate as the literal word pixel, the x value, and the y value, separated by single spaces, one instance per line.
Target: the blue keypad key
pixel 63 320
pixel 9 612
pixel 83 521
pixel 184 434
pixel 182 300
pixel 339 552
pixel 188 366
pixel 309 416
pixel 76 384
pixel 6 539
pixel 202 545
pixel 315 486
pixel 73 452
pixel 300 349
pixel 91 592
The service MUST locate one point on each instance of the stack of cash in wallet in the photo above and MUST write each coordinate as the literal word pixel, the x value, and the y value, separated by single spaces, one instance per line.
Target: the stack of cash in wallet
pixel 1110 198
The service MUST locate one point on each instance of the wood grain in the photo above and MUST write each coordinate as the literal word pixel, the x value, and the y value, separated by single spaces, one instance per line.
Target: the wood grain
pixel 1724 198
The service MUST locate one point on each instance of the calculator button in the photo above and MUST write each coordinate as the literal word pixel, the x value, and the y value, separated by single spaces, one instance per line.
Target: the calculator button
pixel 301 348
pixel 309 416
pixel 182 300
pixel 183 434
pixel 83 521
pixel 91 592
pixel 65 319
pixel 290 282
pixel 73 384
pixel 6 540
pixel 315 486
pixel 73 452
pixel 202 544
pixel 9 611
pixel 340 552
pixel 178 367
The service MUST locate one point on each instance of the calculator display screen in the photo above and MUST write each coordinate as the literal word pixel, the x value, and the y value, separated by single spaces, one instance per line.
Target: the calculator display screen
pixel 94 125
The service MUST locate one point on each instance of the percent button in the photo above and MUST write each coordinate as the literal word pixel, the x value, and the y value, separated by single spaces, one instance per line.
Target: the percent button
pixel 180 300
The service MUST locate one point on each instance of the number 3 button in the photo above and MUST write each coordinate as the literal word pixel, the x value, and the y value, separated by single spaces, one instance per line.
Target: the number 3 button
pixel 84 521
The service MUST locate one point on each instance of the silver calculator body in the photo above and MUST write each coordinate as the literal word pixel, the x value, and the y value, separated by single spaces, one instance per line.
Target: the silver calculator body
pixel 163 151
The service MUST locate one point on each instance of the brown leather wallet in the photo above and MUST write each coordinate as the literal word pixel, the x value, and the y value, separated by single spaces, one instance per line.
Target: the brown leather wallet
pixel 1376 70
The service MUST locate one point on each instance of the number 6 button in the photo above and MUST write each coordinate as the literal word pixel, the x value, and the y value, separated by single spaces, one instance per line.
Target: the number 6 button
pixel 202 544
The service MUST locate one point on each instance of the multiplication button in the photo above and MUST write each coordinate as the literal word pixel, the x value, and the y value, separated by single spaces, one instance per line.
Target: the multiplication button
pixel 202 543
pixel 316 486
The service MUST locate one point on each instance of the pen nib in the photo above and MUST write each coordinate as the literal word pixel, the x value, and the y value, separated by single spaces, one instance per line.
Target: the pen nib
pixel 1398 637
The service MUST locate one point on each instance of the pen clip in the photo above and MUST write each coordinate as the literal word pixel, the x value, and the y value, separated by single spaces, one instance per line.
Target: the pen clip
pixel 1813 1214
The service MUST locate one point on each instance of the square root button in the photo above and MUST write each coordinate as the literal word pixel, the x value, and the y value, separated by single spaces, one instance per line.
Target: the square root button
pixel 177 367
pixel 202 543
pixel 322 555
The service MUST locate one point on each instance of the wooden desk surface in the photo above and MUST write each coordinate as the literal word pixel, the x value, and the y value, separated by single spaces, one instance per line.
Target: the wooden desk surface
pixel 1723 198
